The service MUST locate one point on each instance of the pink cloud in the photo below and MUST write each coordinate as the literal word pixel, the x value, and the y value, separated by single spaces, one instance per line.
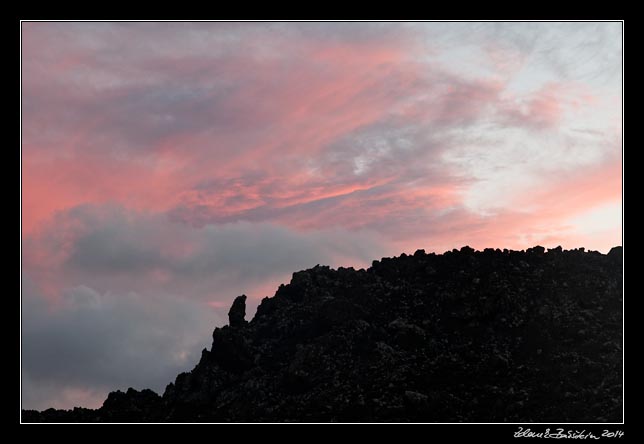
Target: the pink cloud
pixel 546 107
pixel 89 166
pixel 539 217
pixel 273 160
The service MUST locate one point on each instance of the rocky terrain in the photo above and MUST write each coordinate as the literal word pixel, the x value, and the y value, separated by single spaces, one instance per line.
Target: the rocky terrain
pixel 466 336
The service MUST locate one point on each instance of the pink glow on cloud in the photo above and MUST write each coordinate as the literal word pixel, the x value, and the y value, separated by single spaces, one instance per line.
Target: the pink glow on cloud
pixel 547 107
pixel 298 111
pixel 311 117
pixel 77 396
pixel 49 187
pixel 542 217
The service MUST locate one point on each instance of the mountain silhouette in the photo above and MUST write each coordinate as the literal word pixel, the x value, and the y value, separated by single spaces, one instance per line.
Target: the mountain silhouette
pixel 464 336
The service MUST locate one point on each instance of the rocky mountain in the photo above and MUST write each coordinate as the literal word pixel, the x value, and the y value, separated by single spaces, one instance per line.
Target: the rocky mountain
pixel 465 336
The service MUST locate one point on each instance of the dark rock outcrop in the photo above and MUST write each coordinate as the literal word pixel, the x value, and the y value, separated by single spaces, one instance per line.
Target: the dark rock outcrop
pixel 466 336
pixel 237 313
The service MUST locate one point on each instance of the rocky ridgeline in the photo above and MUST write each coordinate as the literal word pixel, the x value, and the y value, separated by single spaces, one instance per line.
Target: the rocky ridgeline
pixel 466 336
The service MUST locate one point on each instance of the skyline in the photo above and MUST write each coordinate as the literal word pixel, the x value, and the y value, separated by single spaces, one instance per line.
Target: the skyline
pixel 169 167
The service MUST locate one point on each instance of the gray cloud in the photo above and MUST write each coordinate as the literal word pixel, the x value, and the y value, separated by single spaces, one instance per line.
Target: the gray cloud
pixel 583 51
pixel 113 240
pixel 100 342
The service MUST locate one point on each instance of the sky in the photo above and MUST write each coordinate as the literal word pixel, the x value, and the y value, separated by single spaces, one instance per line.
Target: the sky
pixel 168 167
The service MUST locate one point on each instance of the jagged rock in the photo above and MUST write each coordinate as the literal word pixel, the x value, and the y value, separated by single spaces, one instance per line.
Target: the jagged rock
pixel 415 398
pixel 537 250
pixel 466 336
pixel 231 350
pixel 615 253
pixel 237 313
pixel 467 250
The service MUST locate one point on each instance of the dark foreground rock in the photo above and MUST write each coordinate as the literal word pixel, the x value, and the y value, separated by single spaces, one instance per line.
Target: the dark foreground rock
pixel 491 336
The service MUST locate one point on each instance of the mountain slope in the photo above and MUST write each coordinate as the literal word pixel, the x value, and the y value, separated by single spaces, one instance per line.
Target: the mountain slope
pixel 491 336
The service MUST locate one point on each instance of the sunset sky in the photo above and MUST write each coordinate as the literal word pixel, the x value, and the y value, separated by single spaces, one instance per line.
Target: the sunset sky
pixel 169 167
